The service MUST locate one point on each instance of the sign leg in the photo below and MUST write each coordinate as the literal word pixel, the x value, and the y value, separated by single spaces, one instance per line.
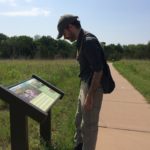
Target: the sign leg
pixel 45 129
pixel 18 128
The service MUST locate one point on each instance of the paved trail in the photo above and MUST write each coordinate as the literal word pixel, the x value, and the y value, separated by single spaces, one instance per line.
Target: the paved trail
pixel 124 119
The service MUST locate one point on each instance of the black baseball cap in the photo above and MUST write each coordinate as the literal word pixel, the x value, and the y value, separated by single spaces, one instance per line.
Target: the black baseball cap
pixel 63 22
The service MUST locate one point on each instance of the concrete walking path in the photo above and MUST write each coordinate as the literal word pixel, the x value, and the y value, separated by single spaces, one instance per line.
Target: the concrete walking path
pixel 124 118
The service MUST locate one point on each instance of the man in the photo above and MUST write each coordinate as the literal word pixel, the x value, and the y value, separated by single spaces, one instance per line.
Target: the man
pixel 90 57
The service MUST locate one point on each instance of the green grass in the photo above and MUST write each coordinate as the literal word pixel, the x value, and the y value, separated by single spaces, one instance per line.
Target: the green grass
pixel 138 73
pixel 63 74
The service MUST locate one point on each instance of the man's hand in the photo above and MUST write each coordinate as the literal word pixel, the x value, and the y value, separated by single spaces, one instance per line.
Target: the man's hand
pixel 95 84
pixel 88 104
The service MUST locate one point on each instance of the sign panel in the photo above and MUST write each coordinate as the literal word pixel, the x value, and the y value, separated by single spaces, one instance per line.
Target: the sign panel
pixel 35 92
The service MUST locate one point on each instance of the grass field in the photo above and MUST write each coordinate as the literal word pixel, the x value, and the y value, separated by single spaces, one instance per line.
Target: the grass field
pixel 138 73
pixel 63 74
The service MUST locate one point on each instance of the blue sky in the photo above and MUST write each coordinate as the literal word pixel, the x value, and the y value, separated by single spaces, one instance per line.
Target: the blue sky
pixel 112 21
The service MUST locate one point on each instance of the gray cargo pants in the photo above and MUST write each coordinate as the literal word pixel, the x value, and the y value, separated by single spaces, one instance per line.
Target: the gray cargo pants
pixel 86 122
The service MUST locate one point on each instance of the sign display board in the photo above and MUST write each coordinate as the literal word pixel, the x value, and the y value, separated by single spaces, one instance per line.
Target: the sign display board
pixel 35 92
pixel 33 98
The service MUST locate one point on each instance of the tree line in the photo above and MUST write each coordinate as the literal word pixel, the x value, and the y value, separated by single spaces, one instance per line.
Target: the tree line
pixel 132 51
pixel 45 47
pixel 39 47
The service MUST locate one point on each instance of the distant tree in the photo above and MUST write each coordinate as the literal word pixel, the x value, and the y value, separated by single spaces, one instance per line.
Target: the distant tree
pixel 140 51
pixel 46 47
pixel 37 37
pixel 18 47
pixel 65 49
pixel 113 52
pixel 25 47
pixel 8 48
pixel 148 50
pixel 3 37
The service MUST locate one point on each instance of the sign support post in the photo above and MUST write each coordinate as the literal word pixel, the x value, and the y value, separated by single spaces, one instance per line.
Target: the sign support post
pixel 18 128
pixel 45 129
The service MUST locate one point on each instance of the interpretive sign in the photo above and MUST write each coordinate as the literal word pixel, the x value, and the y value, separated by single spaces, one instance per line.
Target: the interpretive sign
pixel 34 98
pixel 36 93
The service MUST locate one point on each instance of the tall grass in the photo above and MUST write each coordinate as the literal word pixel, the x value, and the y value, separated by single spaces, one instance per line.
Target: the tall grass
pixel 63 74
pixel 138 73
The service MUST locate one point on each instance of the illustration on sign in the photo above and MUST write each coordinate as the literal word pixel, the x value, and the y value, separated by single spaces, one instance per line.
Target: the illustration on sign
pixel 36 93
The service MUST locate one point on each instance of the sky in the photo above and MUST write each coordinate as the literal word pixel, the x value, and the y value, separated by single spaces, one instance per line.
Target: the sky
pixel 112 21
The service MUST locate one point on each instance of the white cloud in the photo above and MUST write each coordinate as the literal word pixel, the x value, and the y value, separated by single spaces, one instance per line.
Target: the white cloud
pixel 28 1
pixel 10 2
pixel 33 12
pixel 14 2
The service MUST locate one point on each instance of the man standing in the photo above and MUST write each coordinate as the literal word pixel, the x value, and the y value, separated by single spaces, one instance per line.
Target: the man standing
pixel 90 57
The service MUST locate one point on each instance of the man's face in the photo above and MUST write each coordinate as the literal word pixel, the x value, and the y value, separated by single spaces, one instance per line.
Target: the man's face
pixel 69 34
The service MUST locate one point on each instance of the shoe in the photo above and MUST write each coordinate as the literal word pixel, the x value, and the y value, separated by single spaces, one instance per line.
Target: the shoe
pixel 79 147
